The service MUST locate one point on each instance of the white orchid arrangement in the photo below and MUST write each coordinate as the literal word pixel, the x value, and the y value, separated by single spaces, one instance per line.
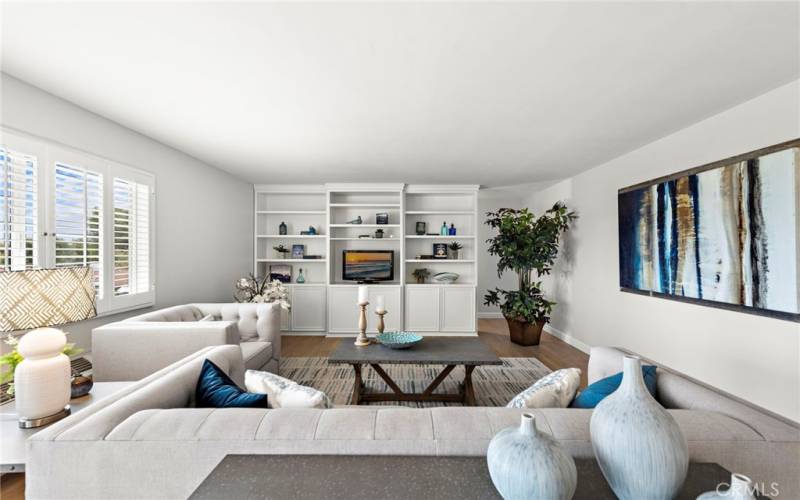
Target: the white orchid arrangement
pixel 251 289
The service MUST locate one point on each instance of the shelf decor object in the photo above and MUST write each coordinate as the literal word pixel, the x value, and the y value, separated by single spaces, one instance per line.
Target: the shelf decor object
pixel 363 302
pixel 631 423
pixel 526 463
pixel 733 225
pixel 380 310
pixel 398 340
pixel 36 299
pixel 447 278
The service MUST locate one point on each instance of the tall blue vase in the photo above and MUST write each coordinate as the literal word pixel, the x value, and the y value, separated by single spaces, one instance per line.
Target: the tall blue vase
pixel 639 446
pixel 526 464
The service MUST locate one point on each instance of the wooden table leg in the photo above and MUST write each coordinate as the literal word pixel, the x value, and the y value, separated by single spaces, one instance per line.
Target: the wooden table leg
pixel 438 380
pixel 386 378
pixel 358 386
pixel 469 391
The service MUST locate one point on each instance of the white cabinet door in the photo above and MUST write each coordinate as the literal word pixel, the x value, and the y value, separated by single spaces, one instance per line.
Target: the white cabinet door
pixel 392 297
pixel 422 309
pixel 458 309
pixel 286 316
pixel 342 309
pixel 308 308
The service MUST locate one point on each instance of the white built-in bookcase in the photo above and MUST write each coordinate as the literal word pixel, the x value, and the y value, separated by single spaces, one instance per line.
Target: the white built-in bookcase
pixel 325 303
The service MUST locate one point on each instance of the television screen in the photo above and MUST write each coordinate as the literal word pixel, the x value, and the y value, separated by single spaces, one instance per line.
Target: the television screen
pixel 367 265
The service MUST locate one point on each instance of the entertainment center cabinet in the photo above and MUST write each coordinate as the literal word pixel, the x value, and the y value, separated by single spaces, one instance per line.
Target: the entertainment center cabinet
pixel 326 302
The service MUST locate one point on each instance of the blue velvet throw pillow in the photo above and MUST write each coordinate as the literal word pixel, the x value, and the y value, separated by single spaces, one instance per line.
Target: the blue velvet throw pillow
pixel 215 389
pixel 592 395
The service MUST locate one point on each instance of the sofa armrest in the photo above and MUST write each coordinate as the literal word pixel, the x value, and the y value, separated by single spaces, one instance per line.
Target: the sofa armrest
pixel 269 328
pixel 132 350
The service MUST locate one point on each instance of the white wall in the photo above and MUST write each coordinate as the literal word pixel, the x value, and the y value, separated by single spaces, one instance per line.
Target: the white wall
pixel 753 357
pixel 490 200
pixel 204 216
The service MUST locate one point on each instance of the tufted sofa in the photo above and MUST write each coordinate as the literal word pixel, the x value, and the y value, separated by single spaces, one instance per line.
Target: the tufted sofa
pixel 149 441
pixel 138 346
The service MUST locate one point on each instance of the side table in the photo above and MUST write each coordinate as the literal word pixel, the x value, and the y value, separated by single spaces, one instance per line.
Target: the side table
pixel 12 445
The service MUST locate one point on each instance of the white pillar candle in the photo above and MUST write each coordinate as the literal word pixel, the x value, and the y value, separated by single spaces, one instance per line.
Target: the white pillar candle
pixel 379 304
pixel 363 295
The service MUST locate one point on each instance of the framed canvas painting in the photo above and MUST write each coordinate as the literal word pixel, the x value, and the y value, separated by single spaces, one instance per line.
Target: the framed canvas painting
pixel 723 234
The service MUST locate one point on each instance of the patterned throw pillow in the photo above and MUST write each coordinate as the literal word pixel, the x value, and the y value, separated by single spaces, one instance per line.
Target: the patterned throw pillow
pixel 554 390
pixel 284 393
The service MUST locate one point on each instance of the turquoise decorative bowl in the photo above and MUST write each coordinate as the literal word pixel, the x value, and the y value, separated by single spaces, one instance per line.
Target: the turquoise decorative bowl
pixel 398 340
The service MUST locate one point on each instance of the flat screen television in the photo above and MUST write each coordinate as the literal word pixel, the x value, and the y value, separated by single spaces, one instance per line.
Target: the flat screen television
pixel 367 265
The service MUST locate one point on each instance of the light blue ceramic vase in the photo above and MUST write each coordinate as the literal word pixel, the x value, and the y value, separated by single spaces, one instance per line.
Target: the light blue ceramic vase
pixel 526 464
pixel 639 446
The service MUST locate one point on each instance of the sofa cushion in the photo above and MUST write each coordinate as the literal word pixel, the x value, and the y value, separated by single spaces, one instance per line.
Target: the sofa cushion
pixel 215 389
pixel 256 354
pixel 601 389
pixel 554 390
pixel 284 393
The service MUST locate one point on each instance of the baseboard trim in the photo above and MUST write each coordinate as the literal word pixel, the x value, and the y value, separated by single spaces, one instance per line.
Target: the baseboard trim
pixel 287 333
pixel 424 334
pixel 569 339
pixel 490 315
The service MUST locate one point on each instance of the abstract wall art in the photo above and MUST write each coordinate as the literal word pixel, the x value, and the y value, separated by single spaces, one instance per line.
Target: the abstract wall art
pixel 724 234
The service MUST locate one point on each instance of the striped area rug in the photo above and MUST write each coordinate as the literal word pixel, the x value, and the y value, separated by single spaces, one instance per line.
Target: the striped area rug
pixel 495 385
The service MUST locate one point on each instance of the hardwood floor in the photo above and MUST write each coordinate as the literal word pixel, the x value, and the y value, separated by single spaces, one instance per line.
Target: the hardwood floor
pixel 12 486
pixel 553 352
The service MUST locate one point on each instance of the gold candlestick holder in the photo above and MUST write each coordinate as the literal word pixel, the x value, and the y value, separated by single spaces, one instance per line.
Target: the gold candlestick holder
pixel 362 339
pixel 381 325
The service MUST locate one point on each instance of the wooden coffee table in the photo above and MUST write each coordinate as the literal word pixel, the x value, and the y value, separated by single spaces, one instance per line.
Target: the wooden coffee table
pixel 448 351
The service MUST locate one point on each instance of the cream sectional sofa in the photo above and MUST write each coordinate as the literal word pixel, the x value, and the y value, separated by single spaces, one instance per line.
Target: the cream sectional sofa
pixel 147 441
pixel 138 346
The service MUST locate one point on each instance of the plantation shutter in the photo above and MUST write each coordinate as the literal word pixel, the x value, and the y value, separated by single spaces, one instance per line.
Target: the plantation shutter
pixel 78 220
pixel 131 237
pixel 19 207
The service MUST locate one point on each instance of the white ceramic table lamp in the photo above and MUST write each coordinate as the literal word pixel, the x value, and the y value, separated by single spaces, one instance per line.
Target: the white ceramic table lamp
pixel 41 380
pixel 42 298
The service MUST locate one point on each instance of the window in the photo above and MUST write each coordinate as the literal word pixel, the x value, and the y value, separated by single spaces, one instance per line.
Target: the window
pixel 60 207
pixel 78 219
pixel 19 207
pixel 131 237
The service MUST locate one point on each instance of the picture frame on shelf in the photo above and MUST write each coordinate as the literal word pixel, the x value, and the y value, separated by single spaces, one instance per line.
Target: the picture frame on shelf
pixel 280 272
pixel 440 250
pixel 298 251
pixel 382 218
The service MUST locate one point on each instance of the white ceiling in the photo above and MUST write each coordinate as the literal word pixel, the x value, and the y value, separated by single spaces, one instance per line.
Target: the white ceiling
pixel 492 94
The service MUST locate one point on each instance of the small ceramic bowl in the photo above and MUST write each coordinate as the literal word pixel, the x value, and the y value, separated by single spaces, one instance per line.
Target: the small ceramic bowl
pixel 398 340
pixel 445 277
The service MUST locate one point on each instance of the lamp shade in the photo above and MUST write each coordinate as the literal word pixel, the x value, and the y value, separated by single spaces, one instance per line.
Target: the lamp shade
pixel 45 297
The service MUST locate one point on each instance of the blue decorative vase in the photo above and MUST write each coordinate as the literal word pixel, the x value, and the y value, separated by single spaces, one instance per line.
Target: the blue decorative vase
pixel 525 463
pixel 639 446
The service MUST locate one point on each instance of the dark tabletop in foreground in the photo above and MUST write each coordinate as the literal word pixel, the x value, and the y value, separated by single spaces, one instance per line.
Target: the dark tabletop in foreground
pixel 395 477
pixel 431 350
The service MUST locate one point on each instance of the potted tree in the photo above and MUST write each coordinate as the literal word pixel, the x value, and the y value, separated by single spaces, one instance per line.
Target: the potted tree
pixel 526 244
